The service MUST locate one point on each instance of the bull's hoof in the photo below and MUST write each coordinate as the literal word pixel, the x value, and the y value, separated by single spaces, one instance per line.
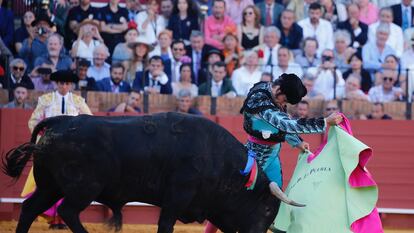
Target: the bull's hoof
pixel 59 226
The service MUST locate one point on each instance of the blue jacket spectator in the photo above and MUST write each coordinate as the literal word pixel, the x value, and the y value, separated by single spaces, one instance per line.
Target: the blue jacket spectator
pixel 6 27
pixel 115 83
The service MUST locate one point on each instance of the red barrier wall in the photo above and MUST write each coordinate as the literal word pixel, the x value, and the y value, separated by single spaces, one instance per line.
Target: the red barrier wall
pixel 392 164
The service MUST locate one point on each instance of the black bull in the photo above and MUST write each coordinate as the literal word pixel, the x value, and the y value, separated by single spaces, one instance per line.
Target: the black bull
pixel 188 166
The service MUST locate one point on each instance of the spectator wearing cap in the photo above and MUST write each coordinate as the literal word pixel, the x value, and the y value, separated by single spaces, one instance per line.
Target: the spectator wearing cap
pixel 184 20
pixel 88 39
pixel 206 72
pixel 219 85
pixel 315 26
pixel 139 60
pixel 17 76
pixel 55 53
pixel 185 103
pixel 217 24
pixel 75 16
pixel 6 26
pixel 113 23
pixel 35 45
pixel 99 68
pixel 115 83
pixel 357 29
pixel 85 82
pixel 154 80
pixel 150 23
pixel 356 69
pixel 22 32
pixel 396 38
pixel 291 32
pixel 20 98
pixel 122 53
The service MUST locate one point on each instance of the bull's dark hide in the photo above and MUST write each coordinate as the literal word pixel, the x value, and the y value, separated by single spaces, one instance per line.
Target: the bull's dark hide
pixel 187 165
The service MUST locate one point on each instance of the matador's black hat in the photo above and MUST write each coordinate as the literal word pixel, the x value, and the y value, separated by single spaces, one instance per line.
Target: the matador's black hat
pixel 64 76
pixel 292 87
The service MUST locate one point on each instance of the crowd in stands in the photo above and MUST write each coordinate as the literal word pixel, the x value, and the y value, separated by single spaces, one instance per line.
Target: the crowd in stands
pixel 342 49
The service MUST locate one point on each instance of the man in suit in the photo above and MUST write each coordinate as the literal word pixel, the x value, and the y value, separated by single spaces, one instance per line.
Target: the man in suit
pixel 115 83
pixel 16 76
pixel 218 86
pixel 196 51
pixel 270 12
pixel 153 81
pixel 403 14
pixel 172 66
pixel 357 29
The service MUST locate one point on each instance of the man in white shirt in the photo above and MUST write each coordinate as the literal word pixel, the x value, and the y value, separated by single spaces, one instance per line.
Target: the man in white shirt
pixel 396 37
pixel 178 51
pixel 285 65
pixel 246 76
pixel 327 76
pixel 386 92
pixel 315 26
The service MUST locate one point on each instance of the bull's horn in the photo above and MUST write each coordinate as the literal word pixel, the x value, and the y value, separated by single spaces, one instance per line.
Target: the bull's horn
pixel 277 192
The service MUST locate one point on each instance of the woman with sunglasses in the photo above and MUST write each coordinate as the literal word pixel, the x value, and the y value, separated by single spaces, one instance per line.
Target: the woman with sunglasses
pixel 250 31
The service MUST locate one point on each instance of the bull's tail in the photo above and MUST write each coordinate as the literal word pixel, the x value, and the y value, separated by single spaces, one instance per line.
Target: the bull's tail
pixel 16 159
pixel 115 222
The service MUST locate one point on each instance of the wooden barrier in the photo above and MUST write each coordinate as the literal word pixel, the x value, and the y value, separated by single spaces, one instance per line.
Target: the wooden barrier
pixel 229 106
pixel 103 101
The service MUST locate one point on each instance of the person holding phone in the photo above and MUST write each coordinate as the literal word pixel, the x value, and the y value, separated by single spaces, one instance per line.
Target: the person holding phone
pixel 40 77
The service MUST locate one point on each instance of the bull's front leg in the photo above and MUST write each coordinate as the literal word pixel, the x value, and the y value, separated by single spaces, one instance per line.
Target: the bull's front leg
pixel 166 221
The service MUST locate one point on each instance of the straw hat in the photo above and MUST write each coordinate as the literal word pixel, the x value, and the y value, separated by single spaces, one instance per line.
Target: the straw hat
pixel 140 40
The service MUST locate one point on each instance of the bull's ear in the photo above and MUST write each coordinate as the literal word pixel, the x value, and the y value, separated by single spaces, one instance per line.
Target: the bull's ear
pixel 277 192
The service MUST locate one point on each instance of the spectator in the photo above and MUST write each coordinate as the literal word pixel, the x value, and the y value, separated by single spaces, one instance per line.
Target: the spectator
pixel 35 45
pixel 133 7
pixel 99 68
pixel 246 76
pixel 196 51
pixel 150 23
pixel 333 12
pixel 330 107
pixel 55 53
pixel 408 56
pixel 185 103
pixel 58 13
pixel 6 26
pixel 20 98
pixel 40 77
pixel 235 8
pixel 270 12
pixel 291 32
pixel 309 83
pixel 403 14
pixel 308 58
pixel 285 64
pixel 130 105
pixel 250 31
pixel 270 47
pixel 186 76
pixel 139 61
pixel 342 51
pixel 374 52
pixel 163 48
pixel 302 110
pixel 392 63
pixel 88 39
pixel 154 80
pixel 173 66
pixel 206 73
pixel 266 77
pixel 75 16
pixel 377 113
pixel 386 92
pixel 315 26
pixel 113 22
pixel 85 82
pixel 353 89
pixel 184 20
pixel 300 8
pixel 358 71
pixel 233 56
pixel 218 85
pixel 327 75
pixel 114 83
pixel 369 12
pixel 396 38
pixel 122 53
pixel 22 32
pixel 357 29
pixel 16 76
pixel 217 25
pixel 166 8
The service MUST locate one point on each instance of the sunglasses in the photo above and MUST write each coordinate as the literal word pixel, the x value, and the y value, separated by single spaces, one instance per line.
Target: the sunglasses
pixel 178 49
pixel 388 79
pixel 16 68
pixel 331 109
pixel 248 13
